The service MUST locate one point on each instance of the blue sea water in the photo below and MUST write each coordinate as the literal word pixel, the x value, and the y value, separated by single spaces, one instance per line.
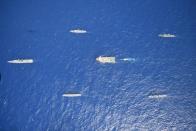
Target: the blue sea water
pixel 115 97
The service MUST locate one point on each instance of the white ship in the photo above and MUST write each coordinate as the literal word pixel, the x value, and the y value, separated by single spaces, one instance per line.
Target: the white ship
pixel 167 35
pixel 103 59
pixel 21 61
pixel 157 96
pixel 72 95
pixel 78 31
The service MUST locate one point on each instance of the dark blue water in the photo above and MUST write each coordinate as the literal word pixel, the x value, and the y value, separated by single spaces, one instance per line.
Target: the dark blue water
pixel 115 97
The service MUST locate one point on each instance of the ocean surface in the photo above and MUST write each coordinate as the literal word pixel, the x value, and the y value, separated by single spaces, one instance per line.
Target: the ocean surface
pixel 125 96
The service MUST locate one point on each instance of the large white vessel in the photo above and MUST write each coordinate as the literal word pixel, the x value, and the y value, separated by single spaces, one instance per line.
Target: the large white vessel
pixel 21 61
pixel 167 35
pixel 104 59
pixel 72 95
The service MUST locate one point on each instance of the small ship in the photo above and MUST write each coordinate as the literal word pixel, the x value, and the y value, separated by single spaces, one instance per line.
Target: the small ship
pixel 78 31
pixel 157 96
pixel 167 35
pixel 104 59
pixel 72 95
pixel 21 61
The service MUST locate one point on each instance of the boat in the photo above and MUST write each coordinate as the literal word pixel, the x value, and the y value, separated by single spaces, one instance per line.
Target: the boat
pixel 157 96
pixel 78 31
pixel 103 59
pixel 72 95
pixel 21 61
pixel 129 59
pixel 167 35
